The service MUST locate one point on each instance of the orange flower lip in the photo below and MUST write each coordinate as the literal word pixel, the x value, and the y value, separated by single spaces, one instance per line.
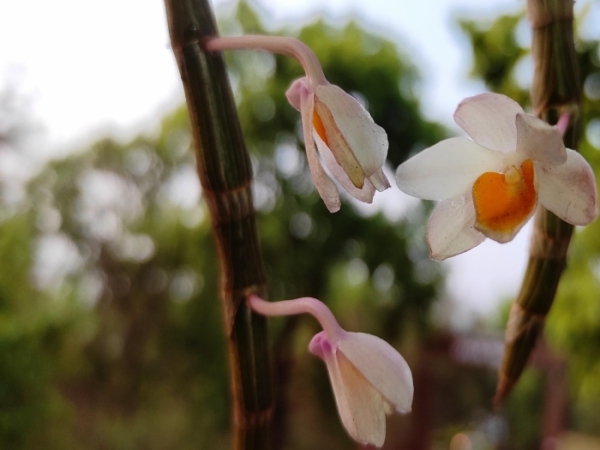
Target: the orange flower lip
pixel 504 201
pixel 319 127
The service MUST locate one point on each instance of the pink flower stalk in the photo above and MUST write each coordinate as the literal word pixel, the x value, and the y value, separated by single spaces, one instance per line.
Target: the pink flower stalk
pixel 369 377
pixel 338 132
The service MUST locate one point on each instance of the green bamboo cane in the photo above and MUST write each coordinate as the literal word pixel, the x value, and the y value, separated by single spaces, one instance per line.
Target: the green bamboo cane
pixel 225 173
pixel 556 90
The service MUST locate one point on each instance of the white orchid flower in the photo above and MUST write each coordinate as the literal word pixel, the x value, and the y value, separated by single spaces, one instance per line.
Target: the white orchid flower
pixel 369 377
pixel 352 147
pixel 338 132
pixel 490 186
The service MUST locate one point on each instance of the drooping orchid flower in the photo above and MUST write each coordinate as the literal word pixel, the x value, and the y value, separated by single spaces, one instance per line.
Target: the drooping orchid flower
pixel 368 376
pixel 338 132
pixel 490 186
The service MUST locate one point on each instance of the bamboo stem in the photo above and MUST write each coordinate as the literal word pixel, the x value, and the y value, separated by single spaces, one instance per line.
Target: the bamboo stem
pixel 225 173
pixel 555 91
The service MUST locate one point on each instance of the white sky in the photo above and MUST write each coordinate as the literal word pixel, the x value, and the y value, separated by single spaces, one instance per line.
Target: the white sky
pixel 93 68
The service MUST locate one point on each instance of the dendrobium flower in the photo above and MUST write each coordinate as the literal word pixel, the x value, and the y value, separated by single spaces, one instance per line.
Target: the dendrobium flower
pixel 350 144
pixel 369 377
pixel 490 186
pixel 338 132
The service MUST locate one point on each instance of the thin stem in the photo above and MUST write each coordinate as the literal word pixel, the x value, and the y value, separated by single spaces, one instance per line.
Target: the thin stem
pixel 303 305
pixel 275 44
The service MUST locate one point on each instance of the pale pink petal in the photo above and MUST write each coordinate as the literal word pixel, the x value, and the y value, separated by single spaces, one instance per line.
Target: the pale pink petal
pixel 367 140
pixel 539 141
pixel 320 344
pixel 299 88
pixel 451 230
pixel 447 169
pixel 379 180
pixel 382 366
pixel 325 186
pixel 569 190
pixel 338 145
pixel 490 120
pixel 365 194
pixel 360 406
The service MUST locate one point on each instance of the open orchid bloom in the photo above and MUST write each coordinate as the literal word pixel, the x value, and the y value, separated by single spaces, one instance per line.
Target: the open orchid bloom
pixel 339 134
pixel 368 376
pixel 490 186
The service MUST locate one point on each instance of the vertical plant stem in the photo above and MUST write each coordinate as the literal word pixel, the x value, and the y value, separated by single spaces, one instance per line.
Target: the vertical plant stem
pixel 225 174
pixel 555 90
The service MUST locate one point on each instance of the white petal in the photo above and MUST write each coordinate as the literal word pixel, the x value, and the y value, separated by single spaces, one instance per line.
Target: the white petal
pixel 539 141
pixel 325 186
pixel 569 190
pixel 367 140
pixel 447 169
pixel 338 145
pixel 382 366
pixel 490 120
pixel 360 406
pixel 379 180
pixel 365 194
pixel 450 230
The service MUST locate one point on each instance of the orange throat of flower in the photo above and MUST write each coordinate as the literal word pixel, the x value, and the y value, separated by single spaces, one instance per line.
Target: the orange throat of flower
pixel 325 126
pixel 505 201
pixel 319 127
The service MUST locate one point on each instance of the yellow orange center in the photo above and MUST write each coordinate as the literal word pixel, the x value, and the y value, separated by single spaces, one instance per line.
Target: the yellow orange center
pixel 503 201
pixel 325 126
pixel 319 127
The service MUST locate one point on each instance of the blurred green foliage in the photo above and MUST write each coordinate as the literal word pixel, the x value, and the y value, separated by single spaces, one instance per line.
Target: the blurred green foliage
pixel 497 53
